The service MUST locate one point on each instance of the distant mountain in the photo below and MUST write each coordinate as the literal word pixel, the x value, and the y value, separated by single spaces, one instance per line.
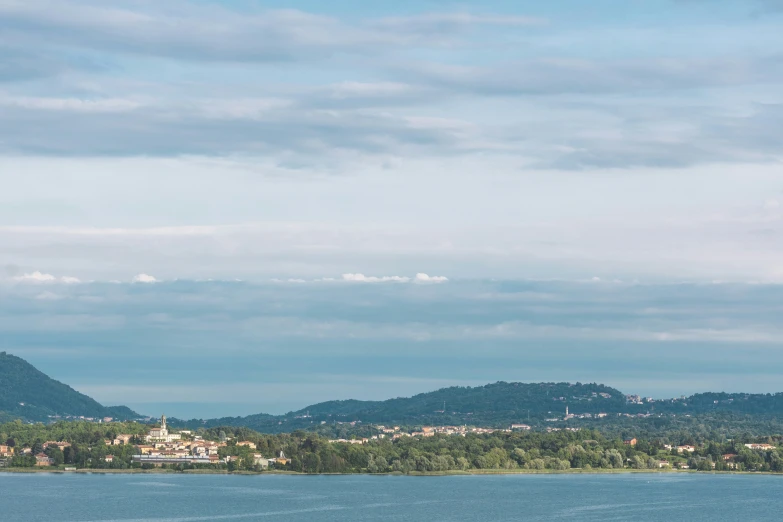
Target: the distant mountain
pixel 494 404
pixel 27 393
pixel 503 403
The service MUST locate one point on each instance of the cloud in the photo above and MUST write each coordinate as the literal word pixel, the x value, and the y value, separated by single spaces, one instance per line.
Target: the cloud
pixel 36 277
pixel 361 278
pixel 419 278
pixel 49 296
pixel 402 94
pixel 144 278
pixel 40 277
pixel 173 128
pixel 424 278
pixel 184 30
pixel 444 22
pixel 554 75
pixel 196 31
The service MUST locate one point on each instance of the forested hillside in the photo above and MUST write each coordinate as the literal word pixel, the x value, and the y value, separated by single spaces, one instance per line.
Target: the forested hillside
pixel 26 392
pixel 502 403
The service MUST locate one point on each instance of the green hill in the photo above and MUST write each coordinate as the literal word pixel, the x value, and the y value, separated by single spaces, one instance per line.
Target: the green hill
pixel 27 393
pixel 498 404
pixel 504 403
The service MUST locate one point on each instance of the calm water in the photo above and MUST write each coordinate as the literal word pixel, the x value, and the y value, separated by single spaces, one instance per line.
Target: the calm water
pixel 357 498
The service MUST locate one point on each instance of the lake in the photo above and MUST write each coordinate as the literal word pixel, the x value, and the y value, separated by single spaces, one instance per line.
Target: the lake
pixel 183 498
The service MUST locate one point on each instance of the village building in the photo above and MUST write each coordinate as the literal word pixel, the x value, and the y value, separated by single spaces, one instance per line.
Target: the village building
pixel 282 459
pixel 763 447
pixel 62 445
pixel 122 439
pixel 162 434
pixel 42 459
pixel 259 460
pixel 630 441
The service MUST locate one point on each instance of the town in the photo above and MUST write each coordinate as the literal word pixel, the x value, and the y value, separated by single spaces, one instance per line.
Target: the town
pixel 159 446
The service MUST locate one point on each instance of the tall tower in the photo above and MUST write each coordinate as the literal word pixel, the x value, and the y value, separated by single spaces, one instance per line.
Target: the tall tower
pixel 163 422
pixel 566 411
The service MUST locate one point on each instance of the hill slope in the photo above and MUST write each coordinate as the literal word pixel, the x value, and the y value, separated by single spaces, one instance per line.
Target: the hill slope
pixel 500 403
pixel 28 393
pixel 503 403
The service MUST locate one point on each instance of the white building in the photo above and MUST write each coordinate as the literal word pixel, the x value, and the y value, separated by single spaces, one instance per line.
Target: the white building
pixel 162 434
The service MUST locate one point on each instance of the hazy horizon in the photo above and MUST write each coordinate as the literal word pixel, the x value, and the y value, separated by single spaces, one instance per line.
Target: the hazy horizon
pixel 207 349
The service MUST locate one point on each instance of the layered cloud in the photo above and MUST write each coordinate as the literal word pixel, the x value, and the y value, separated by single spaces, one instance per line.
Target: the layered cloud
pixel 528 90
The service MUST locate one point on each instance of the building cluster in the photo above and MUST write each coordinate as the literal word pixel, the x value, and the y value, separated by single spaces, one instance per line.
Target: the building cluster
pixel 762 447
pixel 99 420
pixel 164 447
pixel 685 448
pixel 396 433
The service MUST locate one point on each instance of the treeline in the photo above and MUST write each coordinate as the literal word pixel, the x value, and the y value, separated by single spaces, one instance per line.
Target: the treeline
pixel 87 450
pixel 308 452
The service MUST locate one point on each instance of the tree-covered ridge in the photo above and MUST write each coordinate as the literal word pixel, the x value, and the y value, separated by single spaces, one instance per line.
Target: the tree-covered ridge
pixel 497 404
pixel 26 392
pixel 503 403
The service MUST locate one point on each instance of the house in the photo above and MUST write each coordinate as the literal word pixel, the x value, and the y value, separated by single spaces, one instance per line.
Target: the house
pixel 62 444
pixel 247 444
pixel 109 458
pixel 629 441
pixel 663 463
pixel 763 447
pixel 282 459
pixel 6 451
pixel 42 459
pixel 686 447
pixel 122 439
pixel 729 456
pixel 522 427
pixel 259 460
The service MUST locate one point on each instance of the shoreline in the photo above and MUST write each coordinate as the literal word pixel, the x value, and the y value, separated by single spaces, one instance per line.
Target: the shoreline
pixel 411 474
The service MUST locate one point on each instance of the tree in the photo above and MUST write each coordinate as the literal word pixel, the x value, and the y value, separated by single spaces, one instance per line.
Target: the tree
pixel 56 455
pixel 311 463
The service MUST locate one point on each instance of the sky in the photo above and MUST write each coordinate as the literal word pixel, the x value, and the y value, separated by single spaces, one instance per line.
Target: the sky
pixel 196 191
